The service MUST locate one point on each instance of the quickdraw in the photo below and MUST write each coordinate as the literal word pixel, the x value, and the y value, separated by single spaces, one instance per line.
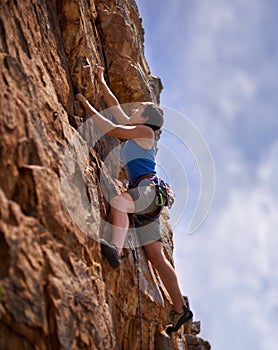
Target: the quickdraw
pixel 165 196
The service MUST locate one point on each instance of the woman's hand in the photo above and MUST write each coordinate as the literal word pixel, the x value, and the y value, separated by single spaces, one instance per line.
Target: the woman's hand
pixel 82 99
pixel 100 74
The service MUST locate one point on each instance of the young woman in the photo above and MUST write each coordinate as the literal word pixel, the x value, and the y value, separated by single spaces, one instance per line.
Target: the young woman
pixel 138 154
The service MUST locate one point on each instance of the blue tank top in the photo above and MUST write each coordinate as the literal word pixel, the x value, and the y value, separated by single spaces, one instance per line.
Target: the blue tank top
pixel 137 160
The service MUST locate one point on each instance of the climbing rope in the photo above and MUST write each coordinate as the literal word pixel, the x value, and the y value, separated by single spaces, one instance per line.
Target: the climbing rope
pixel 86 30
pixel 135 255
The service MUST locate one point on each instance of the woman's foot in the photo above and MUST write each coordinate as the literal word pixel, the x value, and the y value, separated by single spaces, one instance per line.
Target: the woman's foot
pixel 109 251
pixel 179 320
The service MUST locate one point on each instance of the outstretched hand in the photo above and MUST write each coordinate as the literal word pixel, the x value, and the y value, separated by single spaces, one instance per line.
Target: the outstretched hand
pixel 100 74
pixel 82 99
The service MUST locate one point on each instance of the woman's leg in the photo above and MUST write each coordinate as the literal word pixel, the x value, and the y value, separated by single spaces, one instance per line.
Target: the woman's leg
pixel 154 253
pixel 121 205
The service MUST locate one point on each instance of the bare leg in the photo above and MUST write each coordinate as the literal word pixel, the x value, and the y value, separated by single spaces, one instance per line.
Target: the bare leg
pixel 121 205
pixel 154 253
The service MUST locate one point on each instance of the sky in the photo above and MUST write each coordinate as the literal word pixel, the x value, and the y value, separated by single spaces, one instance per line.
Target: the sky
pixel 218 62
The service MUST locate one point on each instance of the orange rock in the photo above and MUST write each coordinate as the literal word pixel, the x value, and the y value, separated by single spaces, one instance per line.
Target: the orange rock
pixel 56 291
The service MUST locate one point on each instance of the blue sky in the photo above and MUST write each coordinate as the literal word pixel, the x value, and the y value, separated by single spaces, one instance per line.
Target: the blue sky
pixel 218 61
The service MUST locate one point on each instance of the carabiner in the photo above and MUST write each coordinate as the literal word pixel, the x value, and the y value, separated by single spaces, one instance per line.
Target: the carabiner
pixel 159 200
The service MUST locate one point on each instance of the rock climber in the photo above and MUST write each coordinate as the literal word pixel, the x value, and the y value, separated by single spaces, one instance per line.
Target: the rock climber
pixel 138 154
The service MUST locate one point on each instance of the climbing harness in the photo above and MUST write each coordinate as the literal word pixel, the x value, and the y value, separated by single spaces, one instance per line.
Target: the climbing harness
pixel 163 190
pixel 135 255
pixel 164 195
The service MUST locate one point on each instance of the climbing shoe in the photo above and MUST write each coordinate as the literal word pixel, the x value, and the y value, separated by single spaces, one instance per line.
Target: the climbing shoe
pixel 109 251
pixel 179 320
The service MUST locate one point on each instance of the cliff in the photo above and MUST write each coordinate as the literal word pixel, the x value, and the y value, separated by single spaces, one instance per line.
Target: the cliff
pixel 56 291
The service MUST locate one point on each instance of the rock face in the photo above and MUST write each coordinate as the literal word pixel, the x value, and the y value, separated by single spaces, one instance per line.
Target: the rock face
pixel 56 291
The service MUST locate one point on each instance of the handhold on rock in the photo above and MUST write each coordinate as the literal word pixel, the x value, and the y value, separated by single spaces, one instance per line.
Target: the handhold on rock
pixel 86 71
pixel 163 341
pixel 10 121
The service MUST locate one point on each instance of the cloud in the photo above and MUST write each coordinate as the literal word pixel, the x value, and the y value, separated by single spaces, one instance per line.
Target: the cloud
pixel 218 61
pixel 223 51
pixel 230 274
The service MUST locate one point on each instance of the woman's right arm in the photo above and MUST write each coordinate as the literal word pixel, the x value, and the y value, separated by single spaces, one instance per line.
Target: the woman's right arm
pixel 110 99
pixel 140 133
